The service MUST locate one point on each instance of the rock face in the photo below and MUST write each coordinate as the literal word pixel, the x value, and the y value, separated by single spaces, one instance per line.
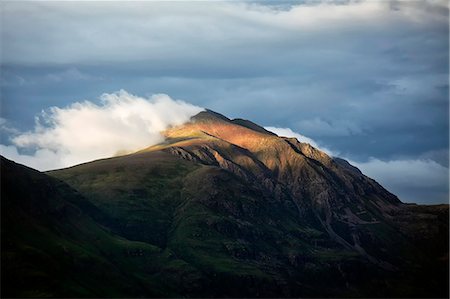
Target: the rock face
pixel 232 210
pixel 341 198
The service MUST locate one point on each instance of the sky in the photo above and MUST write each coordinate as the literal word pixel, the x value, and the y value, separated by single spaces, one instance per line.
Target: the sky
pixel 363 80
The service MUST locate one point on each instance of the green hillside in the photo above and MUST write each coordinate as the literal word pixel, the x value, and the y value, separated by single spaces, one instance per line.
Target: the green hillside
pixel 220 209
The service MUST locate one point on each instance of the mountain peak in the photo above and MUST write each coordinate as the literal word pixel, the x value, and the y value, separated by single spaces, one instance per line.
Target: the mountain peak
pixel 208 116
pixel 242 146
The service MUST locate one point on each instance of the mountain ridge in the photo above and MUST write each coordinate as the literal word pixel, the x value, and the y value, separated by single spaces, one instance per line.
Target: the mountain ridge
pixel 238 211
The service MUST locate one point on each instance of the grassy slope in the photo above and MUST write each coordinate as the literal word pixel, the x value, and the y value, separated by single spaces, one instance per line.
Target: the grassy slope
pixel 221 232
pixel 222 237
pixel 51 248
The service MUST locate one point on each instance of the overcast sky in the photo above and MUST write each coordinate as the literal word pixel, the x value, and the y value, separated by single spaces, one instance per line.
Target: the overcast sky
pixel 366 80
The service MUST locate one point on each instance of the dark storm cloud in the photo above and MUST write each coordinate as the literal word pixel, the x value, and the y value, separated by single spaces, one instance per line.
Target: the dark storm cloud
pixel 365 79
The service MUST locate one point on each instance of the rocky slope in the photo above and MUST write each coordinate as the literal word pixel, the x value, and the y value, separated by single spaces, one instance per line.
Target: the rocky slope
pixel 232 210
pixel 341 198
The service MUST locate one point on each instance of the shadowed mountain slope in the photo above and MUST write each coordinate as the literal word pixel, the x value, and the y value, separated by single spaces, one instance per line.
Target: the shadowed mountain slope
pixel 228 209
pixel 52 246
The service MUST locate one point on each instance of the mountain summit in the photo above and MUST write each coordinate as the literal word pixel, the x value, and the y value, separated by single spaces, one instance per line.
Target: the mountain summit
pixel 221 208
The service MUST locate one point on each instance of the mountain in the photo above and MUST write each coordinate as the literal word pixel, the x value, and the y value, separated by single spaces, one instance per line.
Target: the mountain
pixel 221 208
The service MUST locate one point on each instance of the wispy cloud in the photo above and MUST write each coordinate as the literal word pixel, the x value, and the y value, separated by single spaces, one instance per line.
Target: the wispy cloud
pixel 85 131
pixel 70 74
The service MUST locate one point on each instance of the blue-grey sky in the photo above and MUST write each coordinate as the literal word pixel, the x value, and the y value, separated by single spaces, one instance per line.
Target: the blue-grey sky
pixel 367 80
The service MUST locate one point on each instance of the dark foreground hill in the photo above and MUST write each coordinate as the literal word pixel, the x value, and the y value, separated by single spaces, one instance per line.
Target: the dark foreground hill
pixel 222 208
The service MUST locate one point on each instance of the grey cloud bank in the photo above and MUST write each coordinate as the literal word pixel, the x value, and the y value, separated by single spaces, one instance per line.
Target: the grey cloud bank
pixel 366 79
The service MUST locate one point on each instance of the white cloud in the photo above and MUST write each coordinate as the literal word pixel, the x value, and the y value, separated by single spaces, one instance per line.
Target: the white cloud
pixel 420 181
pixel 424 173
pixel 6 128
pixel 412 180
pixel 86 131
pixel 286 132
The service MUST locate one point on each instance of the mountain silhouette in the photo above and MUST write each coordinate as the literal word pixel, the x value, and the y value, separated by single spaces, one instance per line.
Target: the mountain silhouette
pixel 221 208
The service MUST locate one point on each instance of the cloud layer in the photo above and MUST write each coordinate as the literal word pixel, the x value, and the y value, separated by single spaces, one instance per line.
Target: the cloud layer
pixel 85 131
pixel 419 181
pixel 156 28
pixel 362 78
